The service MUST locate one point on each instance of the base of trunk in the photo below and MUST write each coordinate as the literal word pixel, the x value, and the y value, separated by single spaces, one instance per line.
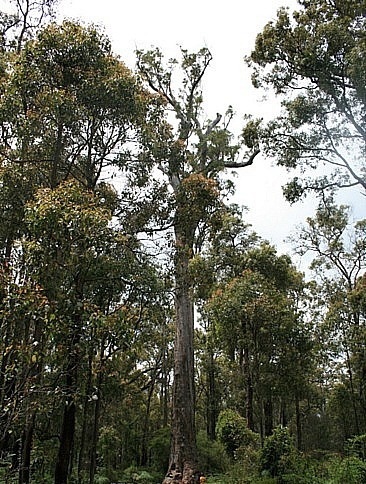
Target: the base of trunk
pixel 190 475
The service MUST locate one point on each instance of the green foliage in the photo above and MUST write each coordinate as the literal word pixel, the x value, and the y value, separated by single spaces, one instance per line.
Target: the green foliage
pixel 276 268
pixel 315 58
pixel 357 446
pixel 349 469
pixel 276 452
pixel 86 319
pixel 294 190
pixel 233 432
pixel 134 475
pixel 335 242
pixel 100 479
pixel 64 91
pixel 17 185
pixel 248 459
pixel 159 446
pixel 197 199
pixel 67 228
pixel 212 457
pixel 300 469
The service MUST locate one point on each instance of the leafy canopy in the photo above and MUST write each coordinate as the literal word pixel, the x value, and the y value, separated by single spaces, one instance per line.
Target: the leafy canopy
pixel 316 60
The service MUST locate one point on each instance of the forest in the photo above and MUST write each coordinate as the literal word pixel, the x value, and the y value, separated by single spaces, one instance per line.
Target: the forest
pixel 148 333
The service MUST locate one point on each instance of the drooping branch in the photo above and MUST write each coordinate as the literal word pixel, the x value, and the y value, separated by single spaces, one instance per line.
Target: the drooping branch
pixel 243 164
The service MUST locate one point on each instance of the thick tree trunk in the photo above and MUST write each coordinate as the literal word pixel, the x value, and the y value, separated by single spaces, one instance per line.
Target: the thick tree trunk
pixel 182 463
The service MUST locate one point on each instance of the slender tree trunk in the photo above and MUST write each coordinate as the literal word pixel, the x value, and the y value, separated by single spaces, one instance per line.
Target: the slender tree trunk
pixel 353 393
pixel 268 416
pixel 56 162
pixel 164 392
pixel 212 406
pixel 298 424
pixel 145 432
pixel 249 390
pixel 82 441
pixel 3 387
pixel 182 462
pixel 25 456
pixel 85 420
pixel 68 423
pixel 8 387
pixel 32 377
pixel 362 390
pixel 8 251
pixel 66 442
pixel 97 409
pixel 283 414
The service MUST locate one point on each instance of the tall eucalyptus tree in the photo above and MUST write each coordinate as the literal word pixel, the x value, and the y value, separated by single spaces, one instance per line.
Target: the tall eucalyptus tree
pixel 191 155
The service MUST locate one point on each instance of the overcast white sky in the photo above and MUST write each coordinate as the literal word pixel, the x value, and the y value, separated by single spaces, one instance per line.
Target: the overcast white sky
pixel 228 28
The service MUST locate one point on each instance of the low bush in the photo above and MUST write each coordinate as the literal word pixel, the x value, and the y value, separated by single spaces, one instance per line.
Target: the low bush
pixel 159 447
pixel 277 453
pixel 357 446
pixel 134 475
pixel 233 433
pixel 300 469
pixel 350 470
pixel 212 457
